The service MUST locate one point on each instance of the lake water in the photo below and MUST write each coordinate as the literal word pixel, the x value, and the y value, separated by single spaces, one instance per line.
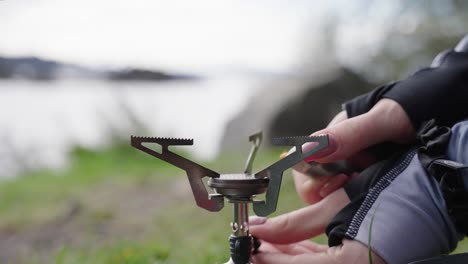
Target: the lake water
pixel 41 121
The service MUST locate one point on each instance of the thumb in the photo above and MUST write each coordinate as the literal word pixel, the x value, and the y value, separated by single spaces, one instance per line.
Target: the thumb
pixel 386 121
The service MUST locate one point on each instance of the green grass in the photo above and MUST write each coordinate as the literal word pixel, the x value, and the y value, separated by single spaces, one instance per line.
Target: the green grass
pixel 43 192
pixel 121 252
pixel 120 205
pixel 171 231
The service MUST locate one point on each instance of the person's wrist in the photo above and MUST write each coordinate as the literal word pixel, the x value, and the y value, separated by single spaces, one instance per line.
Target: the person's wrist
pixel 392 121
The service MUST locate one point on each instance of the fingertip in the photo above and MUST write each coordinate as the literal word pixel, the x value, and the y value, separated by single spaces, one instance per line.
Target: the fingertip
pixel 257 220
pixel 333 145
pixel 333 184
pixel 308 187
pixel 310 190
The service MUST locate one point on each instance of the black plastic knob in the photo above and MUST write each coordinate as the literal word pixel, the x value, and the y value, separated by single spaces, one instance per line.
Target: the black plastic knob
pixel 241 249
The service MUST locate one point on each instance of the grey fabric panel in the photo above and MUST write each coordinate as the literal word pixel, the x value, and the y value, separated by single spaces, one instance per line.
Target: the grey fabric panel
pixel 411 221
pixel 458 146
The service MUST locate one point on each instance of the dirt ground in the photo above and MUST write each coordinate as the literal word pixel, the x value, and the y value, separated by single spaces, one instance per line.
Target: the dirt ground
pixel 100 215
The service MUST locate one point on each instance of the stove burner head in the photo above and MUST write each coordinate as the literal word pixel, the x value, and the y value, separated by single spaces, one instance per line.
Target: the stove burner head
pixel 238 186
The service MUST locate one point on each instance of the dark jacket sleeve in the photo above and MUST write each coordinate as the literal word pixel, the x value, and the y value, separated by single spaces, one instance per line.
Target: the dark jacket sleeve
pixel 438 92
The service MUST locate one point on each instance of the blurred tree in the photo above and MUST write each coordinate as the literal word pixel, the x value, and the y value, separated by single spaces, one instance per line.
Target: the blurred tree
pixel 354 47
pixel 393 40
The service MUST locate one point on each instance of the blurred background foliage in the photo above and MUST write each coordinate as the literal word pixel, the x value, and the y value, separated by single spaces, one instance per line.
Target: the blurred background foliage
pixel 78 78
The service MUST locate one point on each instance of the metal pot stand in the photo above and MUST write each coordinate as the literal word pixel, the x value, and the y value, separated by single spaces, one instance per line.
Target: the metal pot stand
pixel 239 189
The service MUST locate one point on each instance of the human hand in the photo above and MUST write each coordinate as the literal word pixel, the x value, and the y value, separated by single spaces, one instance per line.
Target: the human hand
pixel 284 238
pixel 305 252
pixel 348 137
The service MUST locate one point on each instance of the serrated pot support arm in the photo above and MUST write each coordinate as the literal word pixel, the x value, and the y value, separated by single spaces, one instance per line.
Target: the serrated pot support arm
pixel 275 171
pixel 195 172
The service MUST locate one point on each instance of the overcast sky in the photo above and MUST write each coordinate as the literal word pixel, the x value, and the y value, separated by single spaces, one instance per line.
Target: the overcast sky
pixel 180 35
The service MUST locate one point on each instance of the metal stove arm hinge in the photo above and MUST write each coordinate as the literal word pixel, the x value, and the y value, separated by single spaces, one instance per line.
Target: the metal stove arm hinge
pixel 275 171
pixel 256 140
pixel 195 172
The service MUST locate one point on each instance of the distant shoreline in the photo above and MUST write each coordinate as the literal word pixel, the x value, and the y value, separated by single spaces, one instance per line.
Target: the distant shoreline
pixel 39 69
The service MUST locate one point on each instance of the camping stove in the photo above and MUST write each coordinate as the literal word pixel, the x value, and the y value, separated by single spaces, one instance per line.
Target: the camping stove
pixel 238 189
